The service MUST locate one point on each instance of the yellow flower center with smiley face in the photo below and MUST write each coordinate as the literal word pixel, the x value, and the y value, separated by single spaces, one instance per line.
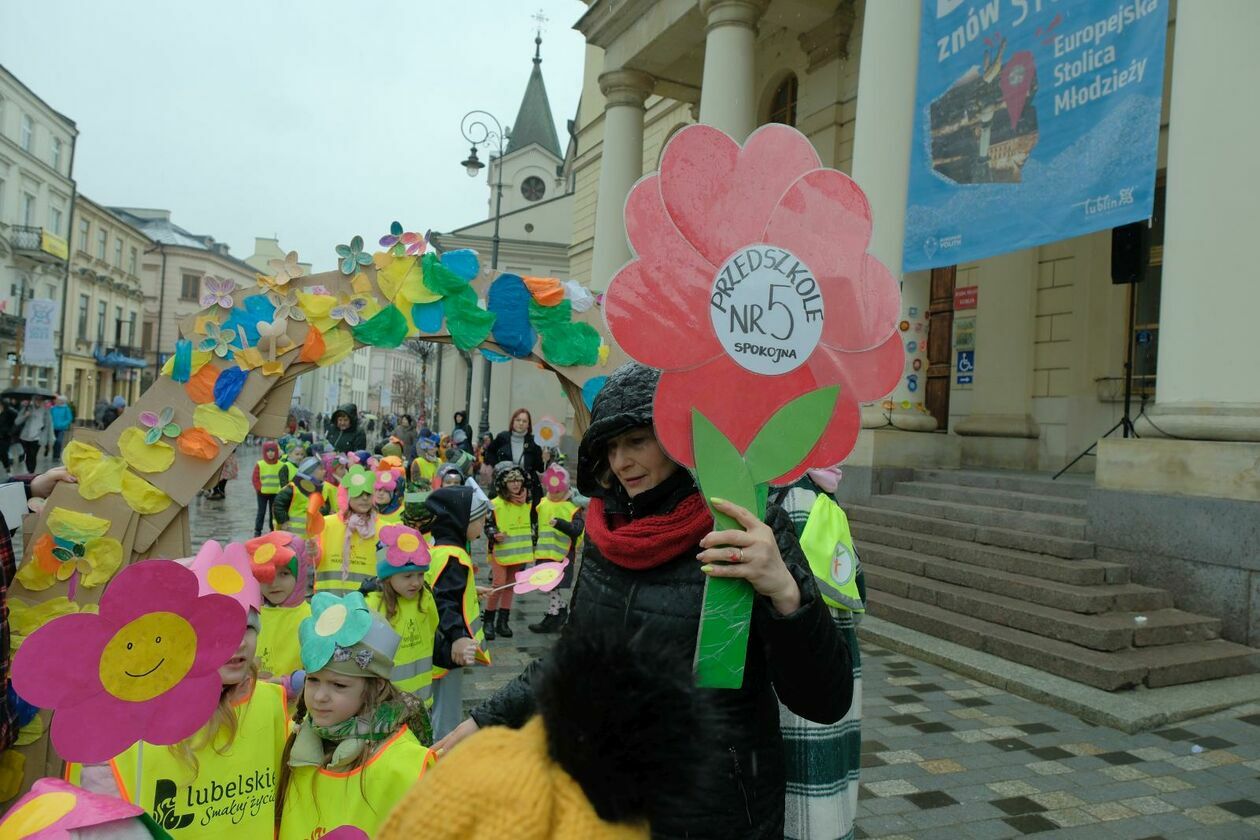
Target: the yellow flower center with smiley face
pixel 225 580
pixel 408 542
pixel 39 813
pixel 331 619
pixel 148 656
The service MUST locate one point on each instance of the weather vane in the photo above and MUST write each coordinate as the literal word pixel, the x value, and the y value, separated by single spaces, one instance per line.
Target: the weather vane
pixel 540 19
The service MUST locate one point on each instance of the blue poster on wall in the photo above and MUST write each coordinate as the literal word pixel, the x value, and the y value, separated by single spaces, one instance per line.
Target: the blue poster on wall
pixel 1035 121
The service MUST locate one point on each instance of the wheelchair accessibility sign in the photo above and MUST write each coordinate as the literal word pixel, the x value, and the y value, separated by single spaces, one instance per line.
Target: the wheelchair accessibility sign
pixel 966 366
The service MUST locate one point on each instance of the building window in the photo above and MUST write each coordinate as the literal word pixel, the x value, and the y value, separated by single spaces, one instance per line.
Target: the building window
pixel 148 335
pixel 54 220
pixel 118 252
pixel 83 235
pixel 84 304
pixel 783 102
pixel 533 188
pixel 101 307
pixel 28 133
pixel 190 289
pixel 118 325
pixel 101 236
pixel 132 259
pixel 28 209
pixel 56 154
pixel 131 329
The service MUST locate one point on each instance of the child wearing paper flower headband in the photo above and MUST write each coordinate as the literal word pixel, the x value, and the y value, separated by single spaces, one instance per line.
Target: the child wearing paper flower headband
pixel 560 526
pixel 406 601
pixel 389 494
pixel 354 753
pixel 280 565
pixel 302 500
pixel 348 544
pixel 511 530
pixel 243 739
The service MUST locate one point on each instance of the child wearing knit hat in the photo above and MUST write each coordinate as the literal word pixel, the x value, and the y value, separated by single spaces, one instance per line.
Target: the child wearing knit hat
pixel 406 602
pixel 599 761
pixel 511 529
pixel 353 754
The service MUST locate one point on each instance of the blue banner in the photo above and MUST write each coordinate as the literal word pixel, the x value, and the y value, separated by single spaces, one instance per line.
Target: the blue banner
pixel 1035 121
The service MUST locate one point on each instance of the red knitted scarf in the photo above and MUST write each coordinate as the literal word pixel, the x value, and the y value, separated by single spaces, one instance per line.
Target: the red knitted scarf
pixel 640 544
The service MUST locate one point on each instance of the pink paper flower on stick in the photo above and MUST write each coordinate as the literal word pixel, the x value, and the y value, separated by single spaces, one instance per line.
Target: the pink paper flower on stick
pixel 404 546
pixel 146 667
pixel 543 577
pixel 740 252
pixel 226 570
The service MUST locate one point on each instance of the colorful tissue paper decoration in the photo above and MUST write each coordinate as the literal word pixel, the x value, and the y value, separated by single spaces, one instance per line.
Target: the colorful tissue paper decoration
pixel 543 577
pixel 404 546
pixel 751 289
pixel 159 425
pixel 228 386
pixel 146 667
pixel 75 545
pixel 181 362
pixel 141 454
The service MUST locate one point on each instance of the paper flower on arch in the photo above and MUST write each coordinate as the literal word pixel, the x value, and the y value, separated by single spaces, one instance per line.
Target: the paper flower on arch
pixel 218 292
pixel 403 243
pixel 349 309
pixel 353 256
pixel 225 570
pixel 751 286
pixel 74 545
pixel 334 623
pixel 543 577
pixel 548 432
pixel 273 338
pixel 404 546
pixel 218 340
pixel 286 269
pixel 270 553
pixel 158 425
pixel 288 308
pixel 146 667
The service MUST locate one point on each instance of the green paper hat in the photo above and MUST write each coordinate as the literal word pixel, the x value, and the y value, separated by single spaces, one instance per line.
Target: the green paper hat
pixel 344 636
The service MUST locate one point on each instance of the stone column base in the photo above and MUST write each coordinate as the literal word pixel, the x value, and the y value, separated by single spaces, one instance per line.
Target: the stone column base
pixel 999 441
pixel 1201 421
pixel 905 420
pixel 1219 469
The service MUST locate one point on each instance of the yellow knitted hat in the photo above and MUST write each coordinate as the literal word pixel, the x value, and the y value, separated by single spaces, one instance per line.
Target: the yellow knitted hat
pixel 545 801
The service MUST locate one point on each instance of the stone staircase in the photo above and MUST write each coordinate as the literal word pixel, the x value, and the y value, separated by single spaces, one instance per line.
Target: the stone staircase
pixel 999 563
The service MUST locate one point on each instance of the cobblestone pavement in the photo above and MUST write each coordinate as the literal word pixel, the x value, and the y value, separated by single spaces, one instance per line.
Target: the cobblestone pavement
pixel 945 756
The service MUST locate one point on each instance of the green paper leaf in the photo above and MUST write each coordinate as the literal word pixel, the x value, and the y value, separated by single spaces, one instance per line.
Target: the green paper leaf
pixel 543 318
pixel 171 430
pixel 570 344
pixel 440 279
pixel 468 323
pixel 790 434
pixel 387 328
pixel 722 643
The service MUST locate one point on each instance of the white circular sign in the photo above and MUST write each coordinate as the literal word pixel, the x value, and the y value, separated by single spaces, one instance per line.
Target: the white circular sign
pixel 767 309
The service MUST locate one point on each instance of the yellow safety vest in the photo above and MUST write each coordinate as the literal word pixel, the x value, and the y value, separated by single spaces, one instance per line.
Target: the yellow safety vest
pixel 362 558
pixel 416 622
pixel 329 490
pixel 553 544
pixel 394 518
pixel 297 511
pixel 512 521
pixel 318 801
pixel 440 556
pixel 278 649
pixel 269 477
pixel 232 794
pixel 427 469
pixel 832 558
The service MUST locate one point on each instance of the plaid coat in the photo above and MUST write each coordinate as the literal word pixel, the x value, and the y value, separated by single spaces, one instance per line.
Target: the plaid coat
pixel 823 760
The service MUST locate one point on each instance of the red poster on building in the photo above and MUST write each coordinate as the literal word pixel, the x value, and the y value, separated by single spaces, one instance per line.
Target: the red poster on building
pixel 966 297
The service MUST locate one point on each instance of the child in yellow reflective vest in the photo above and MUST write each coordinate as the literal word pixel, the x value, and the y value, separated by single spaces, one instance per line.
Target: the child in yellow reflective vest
pixel 388 495
pixel 279 563
pixel 511 533
pixel 458 516
pixel 348 544
pixel 221 782
pixel 407 603
pixel 354 752
pixel 270 474
pixel 292 509
pixel 560 526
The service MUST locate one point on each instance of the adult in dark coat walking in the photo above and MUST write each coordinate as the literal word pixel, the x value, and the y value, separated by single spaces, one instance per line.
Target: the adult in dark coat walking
pixel 646 527
pixel 344 434
pixel 517 445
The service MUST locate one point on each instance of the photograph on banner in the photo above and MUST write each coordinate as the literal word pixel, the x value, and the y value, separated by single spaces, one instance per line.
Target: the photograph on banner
pixel 37 340
pixel 1034 122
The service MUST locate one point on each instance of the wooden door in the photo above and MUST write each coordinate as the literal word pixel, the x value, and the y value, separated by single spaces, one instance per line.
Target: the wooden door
pixel 939 340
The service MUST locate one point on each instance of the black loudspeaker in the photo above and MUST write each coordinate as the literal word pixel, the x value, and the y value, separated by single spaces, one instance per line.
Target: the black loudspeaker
pixel 1130 252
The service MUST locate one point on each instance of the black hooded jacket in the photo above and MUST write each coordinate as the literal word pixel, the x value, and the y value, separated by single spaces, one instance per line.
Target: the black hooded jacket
pixel 346 440
pixel 800 657
pixel 450 508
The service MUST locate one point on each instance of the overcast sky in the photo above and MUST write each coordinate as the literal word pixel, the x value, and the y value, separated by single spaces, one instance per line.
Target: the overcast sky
pixel 310 120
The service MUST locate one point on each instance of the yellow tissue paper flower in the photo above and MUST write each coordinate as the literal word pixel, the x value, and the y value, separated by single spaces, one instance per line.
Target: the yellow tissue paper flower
pixel 145 457
pixel 25 619
pixel 73 525
pixel 231 425
pixel 98 473
pixel 142 496
pixel 318 309
pixel 338 344
pixel 12 771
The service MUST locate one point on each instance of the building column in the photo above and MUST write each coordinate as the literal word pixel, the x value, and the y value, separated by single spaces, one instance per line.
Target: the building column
pixel 1206 387
pixel 881 166
pixel 1000 430
pixel 728 96
pixel 621 164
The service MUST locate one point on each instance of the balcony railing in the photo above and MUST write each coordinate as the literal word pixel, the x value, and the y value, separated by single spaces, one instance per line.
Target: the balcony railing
pixel 39 244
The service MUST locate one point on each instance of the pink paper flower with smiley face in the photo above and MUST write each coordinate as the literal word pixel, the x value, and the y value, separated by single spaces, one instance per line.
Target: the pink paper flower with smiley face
pixel 146 667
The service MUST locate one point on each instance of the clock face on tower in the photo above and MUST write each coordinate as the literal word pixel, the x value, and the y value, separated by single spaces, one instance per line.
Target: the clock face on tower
pixel 533 188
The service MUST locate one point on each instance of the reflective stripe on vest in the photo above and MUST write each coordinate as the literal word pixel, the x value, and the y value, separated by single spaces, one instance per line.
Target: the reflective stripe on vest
pixel 828 546
pixel 317 801
pixel 553 544
pixel 512 521
pixel 441 555
pixel 269 477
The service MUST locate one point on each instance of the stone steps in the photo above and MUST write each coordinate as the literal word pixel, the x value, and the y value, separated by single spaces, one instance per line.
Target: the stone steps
pixel 1088 600
pixel 1153 667
pixel 1012 520
pixel 1109 631
pixel 1009 499
pixel 1065 547
pixel 1067 487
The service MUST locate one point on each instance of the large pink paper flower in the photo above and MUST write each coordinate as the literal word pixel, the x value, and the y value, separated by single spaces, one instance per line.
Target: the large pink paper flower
pixel 542 577
pixel 740 253
pixel 146 667
pixel 226 570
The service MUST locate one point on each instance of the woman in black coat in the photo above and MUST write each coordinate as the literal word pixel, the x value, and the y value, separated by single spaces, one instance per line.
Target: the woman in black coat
pixel 649 546
pixel 518 446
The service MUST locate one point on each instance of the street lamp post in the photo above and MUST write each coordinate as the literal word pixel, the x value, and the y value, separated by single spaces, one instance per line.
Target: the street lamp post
pixel 480 128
